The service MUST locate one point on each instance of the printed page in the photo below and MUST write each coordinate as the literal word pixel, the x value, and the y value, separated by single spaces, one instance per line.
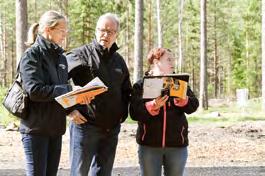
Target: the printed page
pixel 176 84
pixel 92 89
pixel 152 87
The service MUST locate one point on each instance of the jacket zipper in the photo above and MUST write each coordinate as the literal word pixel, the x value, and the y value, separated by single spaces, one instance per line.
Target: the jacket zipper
pixel 164 126
pixel 58 69
pixel 144 132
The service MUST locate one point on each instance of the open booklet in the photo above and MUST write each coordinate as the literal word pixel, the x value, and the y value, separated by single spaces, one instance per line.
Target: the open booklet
pixel 174 85
pixel 91 89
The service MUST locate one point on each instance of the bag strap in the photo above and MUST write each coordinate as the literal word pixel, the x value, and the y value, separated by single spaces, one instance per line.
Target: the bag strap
pixel 18 75
pixel 19 79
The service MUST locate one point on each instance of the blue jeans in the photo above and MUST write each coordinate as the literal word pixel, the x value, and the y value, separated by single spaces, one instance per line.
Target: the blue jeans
pixel 42 154
pixel 152 159
pixel 93 147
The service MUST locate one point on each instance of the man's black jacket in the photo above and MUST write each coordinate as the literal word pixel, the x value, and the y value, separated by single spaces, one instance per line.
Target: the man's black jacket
pixel 44 74
pixel 110 108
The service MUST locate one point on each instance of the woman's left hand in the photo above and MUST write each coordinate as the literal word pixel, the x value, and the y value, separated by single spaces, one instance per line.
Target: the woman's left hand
pixel 160 101
pixel 181 102
pixel 85 100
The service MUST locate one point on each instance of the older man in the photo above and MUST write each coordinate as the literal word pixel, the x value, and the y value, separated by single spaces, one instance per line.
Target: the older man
pixel 94 128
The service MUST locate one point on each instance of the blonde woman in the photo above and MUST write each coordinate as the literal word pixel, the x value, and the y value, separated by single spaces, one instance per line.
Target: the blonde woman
pixel 43 69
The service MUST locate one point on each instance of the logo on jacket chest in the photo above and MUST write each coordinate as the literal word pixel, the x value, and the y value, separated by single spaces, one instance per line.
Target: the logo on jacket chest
pixel 62 66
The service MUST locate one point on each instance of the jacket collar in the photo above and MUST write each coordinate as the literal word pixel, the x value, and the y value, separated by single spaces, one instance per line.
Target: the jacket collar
pixel 47 45
pixel 100 48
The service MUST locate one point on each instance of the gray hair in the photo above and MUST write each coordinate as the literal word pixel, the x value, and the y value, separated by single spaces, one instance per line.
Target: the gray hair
pixel 48 19
pixel 111 16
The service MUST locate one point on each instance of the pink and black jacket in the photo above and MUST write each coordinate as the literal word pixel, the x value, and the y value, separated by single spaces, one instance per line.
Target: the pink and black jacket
pixel 167 127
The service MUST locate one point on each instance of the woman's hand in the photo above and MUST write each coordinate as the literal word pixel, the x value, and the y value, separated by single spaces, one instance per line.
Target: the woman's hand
pixel 77 118
pixel 160 101
pixel 84 100
pixel 181 102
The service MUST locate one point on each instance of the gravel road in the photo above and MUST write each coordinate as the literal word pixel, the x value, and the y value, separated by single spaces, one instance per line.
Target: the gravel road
pixel 215 150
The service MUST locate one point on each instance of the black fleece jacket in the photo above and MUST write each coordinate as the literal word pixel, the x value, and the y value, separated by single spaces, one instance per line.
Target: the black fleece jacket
pixel 167 129
pixel 43 69
pixel 110 108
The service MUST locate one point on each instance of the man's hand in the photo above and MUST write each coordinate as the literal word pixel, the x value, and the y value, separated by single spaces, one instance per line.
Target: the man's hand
pixel 76 117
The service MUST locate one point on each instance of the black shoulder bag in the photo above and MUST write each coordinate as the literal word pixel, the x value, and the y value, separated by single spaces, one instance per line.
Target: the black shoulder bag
pixel 16 100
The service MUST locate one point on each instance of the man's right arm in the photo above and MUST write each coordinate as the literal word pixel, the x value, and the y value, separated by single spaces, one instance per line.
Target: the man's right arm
pixel 77 72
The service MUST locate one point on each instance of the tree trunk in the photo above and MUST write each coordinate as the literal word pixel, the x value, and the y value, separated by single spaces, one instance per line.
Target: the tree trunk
pixel 4 43
pixel 63 5
pixel 247 59
pixel 180 59
pixel 203 64
pixel 215 58
pixel 36 11
pixel 83 31
pixel 127 38
pixel 138 41
pixel 13 56
pixel 21 27
pixel 263 55
pixel 229 77
pixel 1 38
pixel 150 33
pixel 159 28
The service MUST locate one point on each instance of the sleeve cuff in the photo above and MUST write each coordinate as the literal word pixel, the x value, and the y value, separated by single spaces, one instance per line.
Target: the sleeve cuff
pixel 181 102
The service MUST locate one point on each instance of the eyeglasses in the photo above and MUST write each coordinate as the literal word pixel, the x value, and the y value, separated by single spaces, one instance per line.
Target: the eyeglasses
pixel 61 30
pixel 109 32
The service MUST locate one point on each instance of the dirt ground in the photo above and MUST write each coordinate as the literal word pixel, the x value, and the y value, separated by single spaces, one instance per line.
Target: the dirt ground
pixel 212 145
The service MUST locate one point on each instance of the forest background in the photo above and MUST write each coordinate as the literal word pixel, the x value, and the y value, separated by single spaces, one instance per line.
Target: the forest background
pixel 220 43
pixel 233 56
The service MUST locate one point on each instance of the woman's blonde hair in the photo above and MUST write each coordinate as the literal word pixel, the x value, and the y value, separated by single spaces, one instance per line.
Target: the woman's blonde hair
pixel 48 19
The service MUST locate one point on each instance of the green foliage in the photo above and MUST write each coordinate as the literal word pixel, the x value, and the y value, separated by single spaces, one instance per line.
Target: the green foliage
pixel 252 50
pixel 238 64
pixel 236 31
pixel 246 58
pixel 191 41
pixel 84 15
pixel 169 25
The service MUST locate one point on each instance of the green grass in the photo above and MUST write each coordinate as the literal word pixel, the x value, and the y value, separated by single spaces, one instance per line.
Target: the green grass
pixel 230 113
pixel 225 118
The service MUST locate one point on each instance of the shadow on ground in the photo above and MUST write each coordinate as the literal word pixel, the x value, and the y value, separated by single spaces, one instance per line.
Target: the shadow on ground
pixel 190 171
